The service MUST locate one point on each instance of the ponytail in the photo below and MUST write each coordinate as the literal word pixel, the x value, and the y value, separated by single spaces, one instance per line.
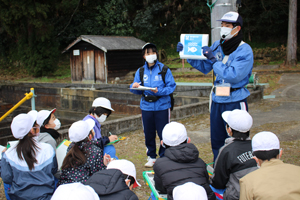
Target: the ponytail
pixel 26 150
pixel 74 158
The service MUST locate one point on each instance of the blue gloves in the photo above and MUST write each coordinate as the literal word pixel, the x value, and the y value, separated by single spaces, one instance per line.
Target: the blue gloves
pixel 207 52
pixel 179 46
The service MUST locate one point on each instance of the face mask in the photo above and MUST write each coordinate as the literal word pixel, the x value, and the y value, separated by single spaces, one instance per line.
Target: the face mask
pixel 225 33
pixel 100 119
pixel 151 58
pixel 57 124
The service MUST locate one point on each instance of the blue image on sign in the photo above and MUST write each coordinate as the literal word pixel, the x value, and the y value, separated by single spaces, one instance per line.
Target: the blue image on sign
pixel 193 45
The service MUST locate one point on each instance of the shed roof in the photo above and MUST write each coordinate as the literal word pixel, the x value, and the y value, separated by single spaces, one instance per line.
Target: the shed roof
pixel 106 43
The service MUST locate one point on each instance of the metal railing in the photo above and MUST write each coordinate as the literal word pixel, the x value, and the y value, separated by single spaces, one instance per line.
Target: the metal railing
pixel 28 96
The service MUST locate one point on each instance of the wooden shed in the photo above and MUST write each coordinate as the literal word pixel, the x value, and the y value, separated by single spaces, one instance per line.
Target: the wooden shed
pixel 97 59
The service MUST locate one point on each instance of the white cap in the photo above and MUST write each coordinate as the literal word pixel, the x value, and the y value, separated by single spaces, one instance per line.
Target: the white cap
pixel 265 141
pixel 43 115
pixel 174 133
pixel 22 124
pixel 80 130
pixel 33 114
pixel 102 102
pixel 189 191
pixel 75 191
pixel 232 17
pixel 126 167
pixel 239 120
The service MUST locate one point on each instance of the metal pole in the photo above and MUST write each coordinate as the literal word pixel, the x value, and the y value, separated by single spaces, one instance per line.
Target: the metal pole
pixel 27 97
pixel 32 99
pixel 219 9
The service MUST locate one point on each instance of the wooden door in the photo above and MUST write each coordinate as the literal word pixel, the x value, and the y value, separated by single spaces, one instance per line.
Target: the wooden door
pixel 88 67
pixel 76 66
pixel 100 66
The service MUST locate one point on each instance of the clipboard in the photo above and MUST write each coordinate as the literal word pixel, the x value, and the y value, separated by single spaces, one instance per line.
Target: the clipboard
pixel 61 152
pixel 142 88
pixel 149 179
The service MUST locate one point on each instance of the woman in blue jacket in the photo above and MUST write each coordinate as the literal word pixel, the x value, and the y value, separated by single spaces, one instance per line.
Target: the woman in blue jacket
pixel 231 59
pixel 28 166
pixel 155 104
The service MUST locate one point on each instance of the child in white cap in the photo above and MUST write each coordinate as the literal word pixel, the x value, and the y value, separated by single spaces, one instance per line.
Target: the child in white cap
pixel 28 166
pixel 190 191
pixel 235 158
pixel 116 182
pixel 181 163
pixel 84 157
pixel 75 191
pixel 274 179
pixel 49 125
pixel 99 112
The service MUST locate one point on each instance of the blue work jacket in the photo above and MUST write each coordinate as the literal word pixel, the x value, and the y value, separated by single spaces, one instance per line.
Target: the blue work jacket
pixel 236 71
pixel 153 79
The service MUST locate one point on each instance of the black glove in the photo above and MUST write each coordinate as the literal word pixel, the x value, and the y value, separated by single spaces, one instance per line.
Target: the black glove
pixel 207 52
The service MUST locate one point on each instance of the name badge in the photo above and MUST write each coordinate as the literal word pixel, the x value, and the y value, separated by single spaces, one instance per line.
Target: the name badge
pixel 223 89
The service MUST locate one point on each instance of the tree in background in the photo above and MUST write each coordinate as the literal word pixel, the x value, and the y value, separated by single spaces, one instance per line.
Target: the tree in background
pixel 28 24
pixel 291 50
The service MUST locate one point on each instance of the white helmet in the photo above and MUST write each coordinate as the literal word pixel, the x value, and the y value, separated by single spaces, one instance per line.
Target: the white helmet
pixel 102 102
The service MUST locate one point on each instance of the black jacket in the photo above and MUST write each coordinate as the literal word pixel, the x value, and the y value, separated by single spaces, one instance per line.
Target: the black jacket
pixel 109 184
pixel 234 161
pixel 180 165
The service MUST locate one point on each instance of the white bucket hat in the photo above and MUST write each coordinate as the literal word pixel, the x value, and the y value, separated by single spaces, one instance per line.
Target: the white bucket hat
pixel 75 191
pixel 102 102
pixel 22 124
pixel 174 133
pixel 80 130
pixel 265 141
pixel 126 167
pixel 239 120
pixel 189 191
pixel 43 115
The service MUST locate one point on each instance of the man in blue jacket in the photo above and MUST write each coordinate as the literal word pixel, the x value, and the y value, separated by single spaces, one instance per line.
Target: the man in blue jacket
pixel 156 103
pixel 231 60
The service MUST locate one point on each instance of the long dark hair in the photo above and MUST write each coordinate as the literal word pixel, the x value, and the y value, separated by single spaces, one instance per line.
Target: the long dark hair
pixel 75 157
pixel 26 150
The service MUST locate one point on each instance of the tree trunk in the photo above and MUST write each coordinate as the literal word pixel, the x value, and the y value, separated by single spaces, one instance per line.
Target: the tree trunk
pixel 291 49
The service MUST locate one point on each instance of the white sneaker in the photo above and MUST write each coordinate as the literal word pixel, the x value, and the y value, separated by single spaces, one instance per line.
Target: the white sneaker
pixel 150 162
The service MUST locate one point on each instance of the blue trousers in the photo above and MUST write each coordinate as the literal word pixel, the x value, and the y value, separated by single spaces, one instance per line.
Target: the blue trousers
pixel 218 132
pixel 154 121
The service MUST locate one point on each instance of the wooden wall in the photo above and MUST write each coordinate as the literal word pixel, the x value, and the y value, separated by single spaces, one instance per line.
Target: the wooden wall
pixel 94 65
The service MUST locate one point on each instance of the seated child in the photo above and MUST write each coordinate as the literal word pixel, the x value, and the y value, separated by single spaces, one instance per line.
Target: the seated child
pixel 28 166
pixel 274 179
pixel 235 158
pixel 75 191
pixel 190 191
pixel 181 163
pixel 49 125
pixel 100 110
pixel 84 157
pixel 116 182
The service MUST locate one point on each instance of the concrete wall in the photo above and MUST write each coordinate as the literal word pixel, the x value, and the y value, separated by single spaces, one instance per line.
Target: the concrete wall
pixel 73 102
